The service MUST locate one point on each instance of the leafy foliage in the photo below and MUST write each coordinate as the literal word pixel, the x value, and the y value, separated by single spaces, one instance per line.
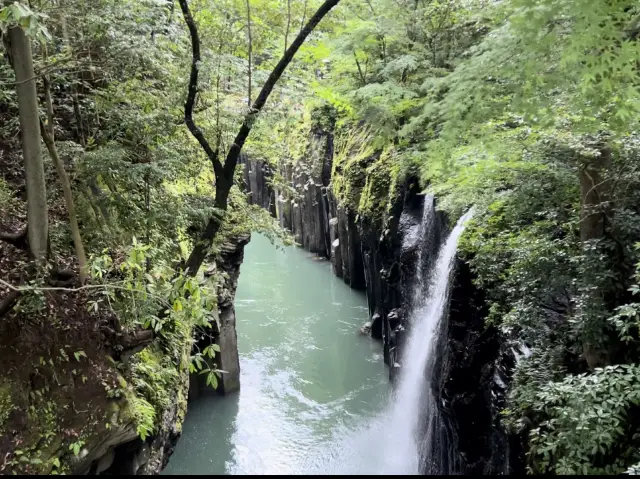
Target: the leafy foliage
pixel 527 110
pixel 585 420
pixel 18 14
pixel 118 76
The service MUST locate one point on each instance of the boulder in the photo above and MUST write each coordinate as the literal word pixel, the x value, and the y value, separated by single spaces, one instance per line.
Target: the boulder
pixel 365 329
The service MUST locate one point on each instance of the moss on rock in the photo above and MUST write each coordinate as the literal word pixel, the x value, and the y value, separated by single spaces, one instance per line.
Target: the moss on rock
pixel 380 186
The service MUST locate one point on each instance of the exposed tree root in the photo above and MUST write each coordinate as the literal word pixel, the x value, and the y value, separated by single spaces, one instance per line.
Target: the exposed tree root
pixel 19 240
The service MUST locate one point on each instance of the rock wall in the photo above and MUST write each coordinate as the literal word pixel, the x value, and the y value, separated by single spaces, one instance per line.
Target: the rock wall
pixel 366 257
pixel 473 370
pixel 474 367
pixel 227 262
pixel 120 451
pixel 305 206
pixel 257 180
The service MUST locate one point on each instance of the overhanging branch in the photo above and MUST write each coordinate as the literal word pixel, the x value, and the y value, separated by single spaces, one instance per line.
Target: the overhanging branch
pixel 193 90
pixel 224 173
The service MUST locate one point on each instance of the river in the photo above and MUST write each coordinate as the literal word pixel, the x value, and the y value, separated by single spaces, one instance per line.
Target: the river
pixel 308 379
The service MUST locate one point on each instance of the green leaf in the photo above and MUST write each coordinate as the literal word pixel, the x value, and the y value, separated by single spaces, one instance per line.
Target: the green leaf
pixel 177 305
pixel 212 380
pixel 79 354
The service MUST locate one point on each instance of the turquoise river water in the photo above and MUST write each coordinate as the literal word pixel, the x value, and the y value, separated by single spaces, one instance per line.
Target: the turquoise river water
pixel 311 386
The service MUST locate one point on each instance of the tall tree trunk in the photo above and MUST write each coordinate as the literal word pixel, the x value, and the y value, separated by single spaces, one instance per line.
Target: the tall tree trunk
pixel 363 77
pixel 48 136
pixel 594 196
pixel 249 72
pixel 37 216
pixel 224 172
pixel 304 15
pixel 594 199
pixel 77 112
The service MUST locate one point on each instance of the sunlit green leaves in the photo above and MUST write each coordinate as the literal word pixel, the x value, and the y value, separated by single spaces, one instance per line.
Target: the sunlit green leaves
pixel 19 14
pixel 586 414
pixel 573 51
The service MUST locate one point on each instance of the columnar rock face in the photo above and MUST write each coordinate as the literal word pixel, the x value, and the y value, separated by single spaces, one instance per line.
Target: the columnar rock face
pixel 381 262
pixel 229 262
pixel 473 363
pixel 224 334
pixel 307 212
pixel 257 176
pixel 306 207
pixel 391 258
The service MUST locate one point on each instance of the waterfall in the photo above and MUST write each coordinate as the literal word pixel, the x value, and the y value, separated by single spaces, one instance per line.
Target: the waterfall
pixel 413 433
pixel 413 396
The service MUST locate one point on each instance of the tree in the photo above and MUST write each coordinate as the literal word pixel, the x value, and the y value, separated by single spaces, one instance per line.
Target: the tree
pixel 22 61
pixel 250 53
pixel 48 135
pixel 286 33
pixel 224 172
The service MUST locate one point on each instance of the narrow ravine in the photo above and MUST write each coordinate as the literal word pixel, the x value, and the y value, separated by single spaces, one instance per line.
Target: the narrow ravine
pixel 142 143
pixel 314 396
pixel 406 436
pixel 307 376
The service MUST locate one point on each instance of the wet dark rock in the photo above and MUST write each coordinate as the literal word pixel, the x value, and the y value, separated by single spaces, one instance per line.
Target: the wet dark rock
pixel 375 326
pixel 365 329
pixel 473 368
pixel 336 258
pixel 105 461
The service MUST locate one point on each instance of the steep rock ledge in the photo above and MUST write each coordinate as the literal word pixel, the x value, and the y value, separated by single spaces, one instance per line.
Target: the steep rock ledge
pixel 228 262
pixel 119 450
pixel 223 333
pixel 473 370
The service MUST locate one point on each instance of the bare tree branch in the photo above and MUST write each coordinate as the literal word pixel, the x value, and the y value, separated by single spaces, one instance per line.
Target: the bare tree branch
pixel 224 175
